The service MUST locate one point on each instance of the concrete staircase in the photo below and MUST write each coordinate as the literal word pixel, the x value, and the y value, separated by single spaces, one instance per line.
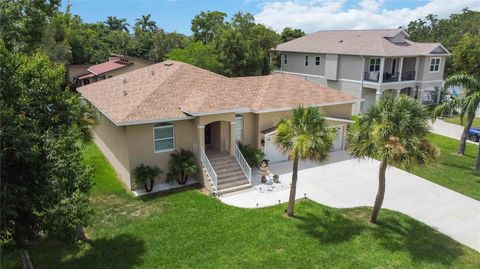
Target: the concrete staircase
pixel 230 176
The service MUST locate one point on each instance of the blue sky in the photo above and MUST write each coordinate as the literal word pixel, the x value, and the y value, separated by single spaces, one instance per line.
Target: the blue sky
pixel 309 15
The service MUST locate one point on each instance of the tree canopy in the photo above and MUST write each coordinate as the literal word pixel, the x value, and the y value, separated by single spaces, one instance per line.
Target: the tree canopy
pixel 458 33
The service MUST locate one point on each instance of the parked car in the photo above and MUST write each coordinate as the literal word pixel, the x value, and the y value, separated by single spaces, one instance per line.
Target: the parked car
pixel 474 134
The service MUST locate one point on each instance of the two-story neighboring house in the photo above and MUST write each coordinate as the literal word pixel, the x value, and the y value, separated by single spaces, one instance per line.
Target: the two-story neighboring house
pixel 367 63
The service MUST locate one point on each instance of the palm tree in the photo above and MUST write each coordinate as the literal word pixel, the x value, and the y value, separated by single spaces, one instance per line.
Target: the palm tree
pixel 146 24
pixel 467 105
pixel 394 131
pixel 304 136
pixel 116 24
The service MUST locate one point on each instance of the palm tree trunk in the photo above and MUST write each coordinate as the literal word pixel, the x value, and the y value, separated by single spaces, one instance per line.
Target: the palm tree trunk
pixel 26 262
pixel 380 192
pixel 293 189
pixel 477 164
pixel 463 139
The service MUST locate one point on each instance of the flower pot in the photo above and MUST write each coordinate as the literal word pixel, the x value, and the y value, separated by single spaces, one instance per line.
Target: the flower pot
pixel 147 187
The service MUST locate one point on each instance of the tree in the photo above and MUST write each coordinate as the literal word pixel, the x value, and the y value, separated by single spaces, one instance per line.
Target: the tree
pixel 290 34
pixel 447 31
pixel 145 24
pixel 165 42
pixel 304 136
pixel 394 130
pixel 466 54
pixel 44 183
pixel 116 24
pixel 467 105
pixel 23 22
pixel 243 46
pixel 198 54
pixel 206 25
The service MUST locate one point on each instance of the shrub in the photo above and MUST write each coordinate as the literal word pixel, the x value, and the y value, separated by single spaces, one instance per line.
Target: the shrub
pixel 144 174
pixel 253 156
pixel 182 164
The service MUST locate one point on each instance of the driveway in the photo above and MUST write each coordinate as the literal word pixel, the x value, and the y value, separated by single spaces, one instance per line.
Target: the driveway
pixel 448 129
pixel 344 182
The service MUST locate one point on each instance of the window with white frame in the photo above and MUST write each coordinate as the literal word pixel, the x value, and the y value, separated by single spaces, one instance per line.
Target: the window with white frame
pixel 374 64
pixel 317 60
pixel 434 64
pixel 163 138
pixel 306 60
pixel 285 58
pixel 238 127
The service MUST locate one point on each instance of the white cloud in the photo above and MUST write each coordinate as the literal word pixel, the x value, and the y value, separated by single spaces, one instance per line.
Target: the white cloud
pixel 317 15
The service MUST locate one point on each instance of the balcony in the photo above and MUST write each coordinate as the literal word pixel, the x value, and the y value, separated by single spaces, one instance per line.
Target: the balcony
pixel 374 76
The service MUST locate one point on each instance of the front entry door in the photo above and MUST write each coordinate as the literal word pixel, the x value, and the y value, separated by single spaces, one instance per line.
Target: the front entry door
pixel 208 135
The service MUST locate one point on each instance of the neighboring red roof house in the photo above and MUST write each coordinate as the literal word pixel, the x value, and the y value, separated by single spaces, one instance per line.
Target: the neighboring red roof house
pixel 116 65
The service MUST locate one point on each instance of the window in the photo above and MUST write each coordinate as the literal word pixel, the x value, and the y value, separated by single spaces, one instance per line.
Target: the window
pixel 434 64
pixel 317 60
pixel 285 58
pixel 163 138
pixel 306 60
pixel 374 64
pixel 238 127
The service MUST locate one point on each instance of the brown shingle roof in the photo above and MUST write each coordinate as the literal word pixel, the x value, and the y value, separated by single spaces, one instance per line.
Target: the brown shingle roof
pixel 171 90
pixel 358 42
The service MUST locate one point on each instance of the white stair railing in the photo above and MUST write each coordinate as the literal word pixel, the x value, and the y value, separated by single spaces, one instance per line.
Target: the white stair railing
pixel 242 162
pixel 208 166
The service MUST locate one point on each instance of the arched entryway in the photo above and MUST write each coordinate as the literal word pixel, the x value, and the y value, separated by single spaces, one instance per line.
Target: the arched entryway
pixel 409 91
pixel 217 136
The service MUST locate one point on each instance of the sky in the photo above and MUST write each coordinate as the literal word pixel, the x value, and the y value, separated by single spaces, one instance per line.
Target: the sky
pixel 308 15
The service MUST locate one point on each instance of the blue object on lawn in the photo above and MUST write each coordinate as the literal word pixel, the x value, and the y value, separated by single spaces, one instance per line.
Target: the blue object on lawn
pixel 474 134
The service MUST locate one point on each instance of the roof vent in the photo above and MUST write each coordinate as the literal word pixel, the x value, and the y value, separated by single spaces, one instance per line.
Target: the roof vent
pixel 341 41
pixel 168 64
pixel 124 92
pixel 124 81
pixel 152 72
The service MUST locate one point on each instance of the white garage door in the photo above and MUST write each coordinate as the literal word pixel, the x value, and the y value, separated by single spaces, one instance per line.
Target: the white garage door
pixel 271 150
pixel 273 154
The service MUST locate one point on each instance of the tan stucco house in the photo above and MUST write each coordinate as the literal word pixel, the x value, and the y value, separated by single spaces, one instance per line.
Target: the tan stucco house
pixel 367 63
pixel 147 114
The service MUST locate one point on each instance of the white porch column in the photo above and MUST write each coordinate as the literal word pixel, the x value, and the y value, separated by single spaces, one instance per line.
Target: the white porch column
pixel 201 136
pixel 382 68
pixel 232 137
pixel 400 68
pixel 419 95
pixel 417 60
pixel 378 95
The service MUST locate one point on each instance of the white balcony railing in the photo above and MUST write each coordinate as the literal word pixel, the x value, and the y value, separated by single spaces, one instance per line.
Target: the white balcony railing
pixel 242 162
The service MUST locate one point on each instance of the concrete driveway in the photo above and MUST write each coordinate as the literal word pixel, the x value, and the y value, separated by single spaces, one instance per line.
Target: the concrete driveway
pixel 344 182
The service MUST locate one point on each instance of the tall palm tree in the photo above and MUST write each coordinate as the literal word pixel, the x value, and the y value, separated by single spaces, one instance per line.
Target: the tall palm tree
pixel 145 24
pixel 116 24
pixel 304 136
pixel 394 131
pixel 467 105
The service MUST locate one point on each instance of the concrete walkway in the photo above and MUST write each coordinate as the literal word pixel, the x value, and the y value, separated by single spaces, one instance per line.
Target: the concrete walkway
pixel 448 129
pixel 344 182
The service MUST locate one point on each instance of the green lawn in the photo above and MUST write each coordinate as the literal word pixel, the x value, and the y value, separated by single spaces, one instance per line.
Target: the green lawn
pixel 453 171
pixel 456 120
pixel 191 230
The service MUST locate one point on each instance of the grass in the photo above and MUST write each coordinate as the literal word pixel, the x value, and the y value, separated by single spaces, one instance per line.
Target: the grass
pixel 453 171
pixel 456 120
pixel 191 230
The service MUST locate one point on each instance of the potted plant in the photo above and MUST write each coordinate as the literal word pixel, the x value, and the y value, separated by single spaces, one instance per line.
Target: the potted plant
pixel 146 174
pixel 253 156
pixel 182 165
pixel 276 178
